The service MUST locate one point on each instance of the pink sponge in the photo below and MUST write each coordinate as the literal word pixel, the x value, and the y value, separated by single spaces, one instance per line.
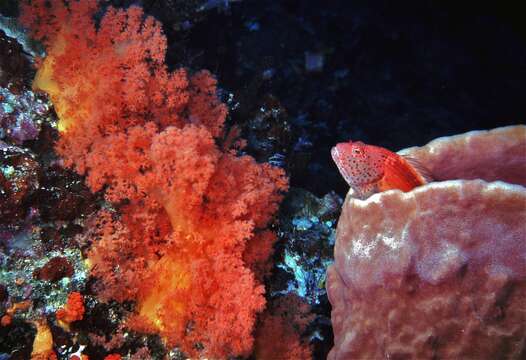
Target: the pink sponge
pixel 438 272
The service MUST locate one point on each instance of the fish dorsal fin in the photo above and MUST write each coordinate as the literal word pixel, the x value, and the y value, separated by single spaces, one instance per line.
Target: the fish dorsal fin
pixel 419 168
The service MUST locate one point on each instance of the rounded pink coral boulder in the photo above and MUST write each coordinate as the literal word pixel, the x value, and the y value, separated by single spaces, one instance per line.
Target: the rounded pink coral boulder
pixel 438 272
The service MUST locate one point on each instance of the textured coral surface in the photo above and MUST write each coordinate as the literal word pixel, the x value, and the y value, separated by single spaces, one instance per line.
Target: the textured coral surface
pixel 498 154
pixel 438 272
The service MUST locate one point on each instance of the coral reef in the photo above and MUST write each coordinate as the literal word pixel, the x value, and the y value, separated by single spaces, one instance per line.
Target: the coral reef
pixel 185 209
pixel 278 335
pixel 43 342
pixel 297 77
pixel 73 310
pixel 15 66
pixel 19 181
pixel 308 223
pixel 55 269
pixel 307 228
pixel 437 272
pixel 21 116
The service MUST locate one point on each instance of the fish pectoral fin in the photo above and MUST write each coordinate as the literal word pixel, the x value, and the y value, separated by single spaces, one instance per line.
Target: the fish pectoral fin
pixel 419 168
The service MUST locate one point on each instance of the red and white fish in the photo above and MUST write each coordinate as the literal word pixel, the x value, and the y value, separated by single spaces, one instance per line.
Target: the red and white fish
pixel 369 169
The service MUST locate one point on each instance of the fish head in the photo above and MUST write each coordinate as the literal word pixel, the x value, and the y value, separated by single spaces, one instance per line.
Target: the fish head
pixel 359 164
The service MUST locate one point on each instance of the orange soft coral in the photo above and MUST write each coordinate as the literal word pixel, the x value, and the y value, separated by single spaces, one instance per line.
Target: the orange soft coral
pixel 183 242
pixel 73 310
pixel 113 357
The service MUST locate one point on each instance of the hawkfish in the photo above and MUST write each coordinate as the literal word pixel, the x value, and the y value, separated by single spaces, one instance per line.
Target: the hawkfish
pixel 369 169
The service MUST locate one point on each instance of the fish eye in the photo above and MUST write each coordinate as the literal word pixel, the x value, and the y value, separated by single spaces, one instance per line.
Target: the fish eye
pixel 356 151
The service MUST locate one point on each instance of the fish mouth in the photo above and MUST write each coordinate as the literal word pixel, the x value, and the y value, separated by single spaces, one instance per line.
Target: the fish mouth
pixel 335 154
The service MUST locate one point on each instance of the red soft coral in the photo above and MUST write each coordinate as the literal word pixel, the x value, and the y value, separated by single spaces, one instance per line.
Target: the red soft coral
pixel 73 310
pixel 182 243
pixel 113 357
